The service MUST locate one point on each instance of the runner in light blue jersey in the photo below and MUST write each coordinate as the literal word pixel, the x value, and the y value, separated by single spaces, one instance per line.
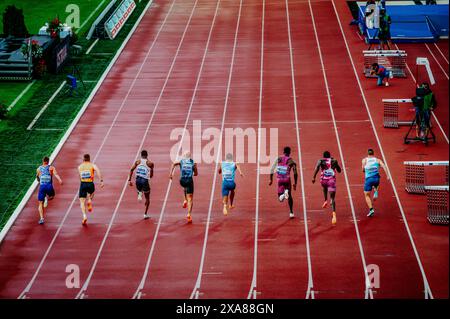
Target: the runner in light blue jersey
pixel 371 169
pixel 228 170
pixel 44 175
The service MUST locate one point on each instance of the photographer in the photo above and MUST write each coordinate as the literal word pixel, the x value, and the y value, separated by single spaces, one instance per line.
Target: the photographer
pixel 424 103
pixel 429 104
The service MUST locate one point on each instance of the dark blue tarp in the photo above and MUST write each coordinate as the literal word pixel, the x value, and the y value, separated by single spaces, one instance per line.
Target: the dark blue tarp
pixel 412 23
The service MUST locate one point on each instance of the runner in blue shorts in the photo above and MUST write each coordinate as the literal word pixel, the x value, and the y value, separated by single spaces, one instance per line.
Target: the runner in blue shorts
pixel 44 175
pixel 228 170
pixel 371 169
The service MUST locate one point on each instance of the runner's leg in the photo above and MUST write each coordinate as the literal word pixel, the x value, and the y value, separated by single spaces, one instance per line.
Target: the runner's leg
pixel 231 198
pixel 147 201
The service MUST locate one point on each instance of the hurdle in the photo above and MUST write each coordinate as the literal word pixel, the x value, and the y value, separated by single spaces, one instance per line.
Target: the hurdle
pixel 437 204
pixel 415 175
pixel 392 60
pixel 391 112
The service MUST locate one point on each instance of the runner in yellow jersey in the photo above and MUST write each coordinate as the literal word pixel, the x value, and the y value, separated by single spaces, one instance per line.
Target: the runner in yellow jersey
pixel 87 187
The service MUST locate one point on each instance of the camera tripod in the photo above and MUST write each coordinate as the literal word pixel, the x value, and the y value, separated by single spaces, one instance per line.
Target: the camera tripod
pixel 423 127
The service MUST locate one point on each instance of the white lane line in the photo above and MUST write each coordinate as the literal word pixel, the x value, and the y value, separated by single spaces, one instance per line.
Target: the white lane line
pixel 92 46
pixel 435 59
pixel 252 291
pixel 97 257
pixel 427 289
pixel 213 189
pixel 36 118
pixel 442 54
pixel 20 95
pixel 368 291
pixel 90 16
pixel 434 115
pixel 310 290
pixel 58 148
pixel 138 293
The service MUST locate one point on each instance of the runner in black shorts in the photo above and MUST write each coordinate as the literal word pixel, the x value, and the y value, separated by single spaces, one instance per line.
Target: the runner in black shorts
pixel 144 171
pixel 87 187
pixel 188 169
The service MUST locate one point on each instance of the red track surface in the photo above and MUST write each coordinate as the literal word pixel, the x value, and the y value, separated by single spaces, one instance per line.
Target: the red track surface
pixel 185 78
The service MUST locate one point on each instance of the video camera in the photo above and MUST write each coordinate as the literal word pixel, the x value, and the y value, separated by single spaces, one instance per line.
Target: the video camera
pixel 419 98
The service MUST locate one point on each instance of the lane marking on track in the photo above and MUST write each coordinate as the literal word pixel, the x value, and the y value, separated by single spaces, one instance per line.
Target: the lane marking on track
pixel 17 99
pixel 56 151
pixel 97 257
pixel 310 286
pixel 368 291
pixel 92 46
pixel 213 189
pixel 149 259
pixel 442 54
pixel 427 289
pixel 435 59
pixel 252 291
pixel 50 100
pixel 434 115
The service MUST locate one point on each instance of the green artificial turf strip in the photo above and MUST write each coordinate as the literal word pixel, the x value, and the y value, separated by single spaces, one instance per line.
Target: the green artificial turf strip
pixel 21 150
pixel 37 12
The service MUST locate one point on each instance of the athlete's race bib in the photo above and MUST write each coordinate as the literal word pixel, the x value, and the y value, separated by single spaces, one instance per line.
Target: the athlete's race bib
pixel 328 173
pixel 142 171
pixel 45 179
pixel 282 170
pixel 187 169
pixel 227 174
pixel 85 174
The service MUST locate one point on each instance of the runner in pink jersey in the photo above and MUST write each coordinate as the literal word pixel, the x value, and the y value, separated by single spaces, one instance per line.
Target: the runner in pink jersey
pixel 283 166
pixel 328 166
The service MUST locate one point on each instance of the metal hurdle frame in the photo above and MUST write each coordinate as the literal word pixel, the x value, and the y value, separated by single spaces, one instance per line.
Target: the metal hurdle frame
pixel 390 113
pixel 415 179
pixel 437 203
pixel 391 120
pixel 383 57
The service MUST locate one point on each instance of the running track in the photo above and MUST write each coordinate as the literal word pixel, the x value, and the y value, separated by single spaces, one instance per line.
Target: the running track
pixel 237 64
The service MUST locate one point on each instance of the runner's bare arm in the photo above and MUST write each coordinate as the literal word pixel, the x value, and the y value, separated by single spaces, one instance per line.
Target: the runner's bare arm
pixel 238 167
pixel 152 168
pixel 272 170
pixel 384 168
pixel 316 171
pixel 131 173
pixel 294 168
pixel 174 164
pixel 55 173
pixel 195 169
pixel 363 164
pixel 38 174
pixel 219 170
pixel 338 168
pixel 99 174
